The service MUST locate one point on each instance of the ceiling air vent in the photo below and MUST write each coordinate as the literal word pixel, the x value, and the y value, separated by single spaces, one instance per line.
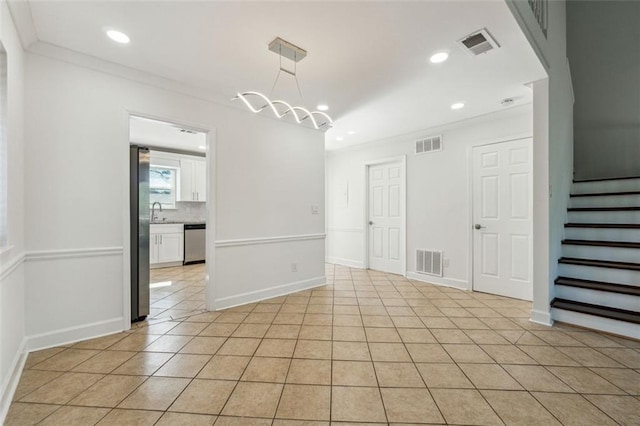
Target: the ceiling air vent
pixel 429 262
pixel 478 42
pixel 430 144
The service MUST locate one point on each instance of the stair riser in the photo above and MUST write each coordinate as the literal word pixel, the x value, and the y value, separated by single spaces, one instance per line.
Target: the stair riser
pixel 621 185
pixel 615 254
pixel 605 217
pixel 595 297
pixel 618 276
pixel 597 323
pixel 603 234
pixel 606 201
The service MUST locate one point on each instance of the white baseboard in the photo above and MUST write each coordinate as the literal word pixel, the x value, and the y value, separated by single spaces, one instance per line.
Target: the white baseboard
pixel 10 385
pixel 74 334
pixel 441 281
pixel 541 317
pixel 165 265
pixel 607 325
pixel 345 262
pixel 268 293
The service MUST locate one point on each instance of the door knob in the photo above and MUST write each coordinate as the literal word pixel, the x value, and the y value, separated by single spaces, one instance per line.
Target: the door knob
pixel 370 222
pixel 478 226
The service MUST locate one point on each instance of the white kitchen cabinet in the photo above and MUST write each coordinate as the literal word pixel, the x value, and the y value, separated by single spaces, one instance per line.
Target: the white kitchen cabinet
pixel 166 244
pixel 153 249
pixel 193 179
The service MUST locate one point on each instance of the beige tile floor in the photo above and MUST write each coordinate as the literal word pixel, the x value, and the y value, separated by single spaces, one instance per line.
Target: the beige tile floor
pixel 366 348
pixel 185 295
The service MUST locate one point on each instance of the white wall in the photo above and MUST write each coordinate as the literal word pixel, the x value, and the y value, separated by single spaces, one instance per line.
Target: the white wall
pixel 267 174
pixel 12 312
pixel 438 191
pixel 602 44
pixel 552 148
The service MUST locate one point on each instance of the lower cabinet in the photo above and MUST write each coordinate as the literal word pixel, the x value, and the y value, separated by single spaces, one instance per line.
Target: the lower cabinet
pixel 166 244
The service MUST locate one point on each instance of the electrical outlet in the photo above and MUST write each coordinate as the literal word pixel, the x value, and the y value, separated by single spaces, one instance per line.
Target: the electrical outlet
pixel 315 209
pixel 294 267
pixel 446 263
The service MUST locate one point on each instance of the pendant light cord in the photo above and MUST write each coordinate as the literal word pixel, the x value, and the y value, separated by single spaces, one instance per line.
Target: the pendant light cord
pixel 295 74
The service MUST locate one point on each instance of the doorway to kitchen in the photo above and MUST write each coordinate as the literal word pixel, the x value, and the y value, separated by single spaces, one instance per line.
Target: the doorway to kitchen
pixel 169 179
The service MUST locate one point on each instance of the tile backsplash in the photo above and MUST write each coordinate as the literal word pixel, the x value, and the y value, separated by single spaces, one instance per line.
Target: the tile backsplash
pixel 185 211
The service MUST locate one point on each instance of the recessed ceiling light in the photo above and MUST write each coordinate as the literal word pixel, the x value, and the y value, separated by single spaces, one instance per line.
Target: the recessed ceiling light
pixel 439 57
pixel 323 107
pixel 339 138
pixel 457 105
pixel 118 36
pixel 202 147
pixel 351 132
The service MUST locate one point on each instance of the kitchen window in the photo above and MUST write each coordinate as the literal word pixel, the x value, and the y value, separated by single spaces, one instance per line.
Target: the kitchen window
pixel 162 186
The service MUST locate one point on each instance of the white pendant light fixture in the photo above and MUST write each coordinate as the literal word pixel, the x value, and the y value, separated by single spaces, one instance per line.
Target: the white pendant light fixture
pixel 257 102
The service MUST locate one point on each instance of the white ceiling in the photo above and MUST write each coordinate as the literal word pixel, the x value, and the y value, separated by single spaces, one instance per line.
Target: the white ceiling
pixel 159 134
pixel 369 61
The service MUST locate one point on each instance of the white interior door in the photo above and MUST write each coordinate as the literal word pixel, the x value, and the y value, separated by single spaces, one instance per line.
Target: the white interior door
pixel 386 216
pixel 502 219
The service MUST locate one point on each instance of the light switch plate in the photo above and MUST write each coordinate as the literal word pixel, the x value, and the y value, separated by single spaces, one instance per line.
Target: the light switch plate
pixel 315 209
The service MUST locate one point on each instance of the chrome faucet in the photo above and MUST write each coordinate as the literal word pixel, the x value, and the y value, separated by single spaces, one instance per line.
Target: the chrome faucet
pixel 153 210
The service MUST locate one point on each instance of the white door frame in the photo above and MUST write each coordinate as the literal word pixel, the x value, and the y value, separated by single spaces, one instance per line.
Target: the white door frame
pixel 210 208
pixel 403 219
pixel 470 220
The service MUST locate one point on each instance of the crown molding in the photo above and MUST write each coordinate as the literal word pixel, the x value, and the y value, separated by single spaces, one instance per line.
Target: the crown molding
pixel 20 12
pixel 94 63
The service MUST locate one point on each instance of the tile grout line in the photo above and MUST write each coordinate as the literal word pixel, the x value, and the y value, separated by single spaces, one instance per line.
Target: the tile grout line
pixel 333 308
pixel 291 358
pixel 243 370
pixel 375 371
pixel 414 362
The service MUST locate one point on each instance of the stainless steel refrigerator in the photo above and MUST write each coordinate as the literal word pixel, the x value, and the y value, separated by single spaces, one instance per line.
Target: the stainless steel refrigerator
pixel 139 181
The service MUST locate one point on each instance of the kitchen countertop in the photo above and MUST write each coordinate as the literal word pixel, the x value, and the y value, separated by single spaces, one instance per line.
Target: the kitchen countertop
pixel 178 222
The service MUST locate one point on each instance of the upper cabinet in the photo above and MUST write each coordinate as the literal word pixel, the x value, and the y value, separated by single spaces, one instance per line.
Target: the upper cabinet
pixel 193 179
pixel 191 182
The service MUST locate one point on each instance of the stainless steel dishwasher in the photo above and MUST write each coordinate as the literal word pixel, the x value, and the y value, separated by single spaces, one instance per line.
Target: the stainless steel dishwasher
pixel 195 243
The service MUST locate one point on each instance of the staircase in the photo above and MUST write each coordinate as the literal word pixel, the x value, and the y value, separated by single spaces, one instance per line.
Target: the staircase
pixel 599 272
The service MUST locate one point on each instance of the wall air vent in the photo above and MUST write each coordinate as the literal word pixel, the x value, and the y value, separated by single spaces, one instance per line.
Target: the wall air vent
pixel 478 42
pixel 429 262
pixel 430 144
